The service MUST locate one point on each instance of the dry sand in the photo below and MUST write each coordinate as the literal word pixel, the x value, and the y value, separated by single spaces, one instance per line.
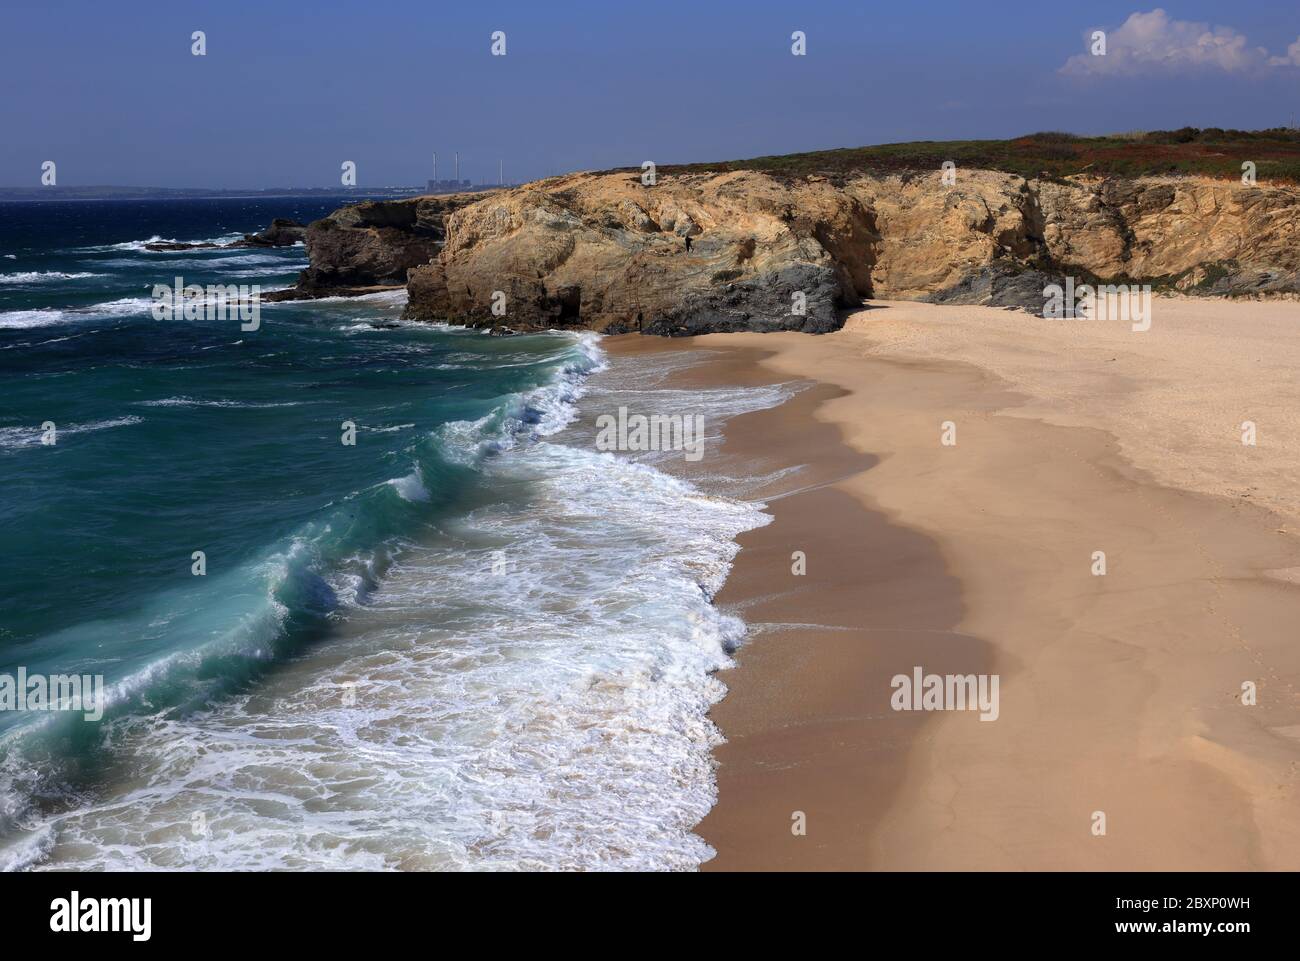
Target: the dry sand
pixel 1119 693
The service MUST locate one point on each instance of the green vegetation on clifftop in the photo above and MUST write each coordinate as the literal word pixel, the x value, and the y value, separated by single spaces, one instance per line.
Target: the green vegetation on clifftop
pixel 1210 152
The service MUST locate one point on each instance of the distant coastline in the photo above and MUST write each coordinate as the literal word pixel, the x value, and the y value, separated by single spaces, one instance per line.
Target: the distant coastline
pixel 25 194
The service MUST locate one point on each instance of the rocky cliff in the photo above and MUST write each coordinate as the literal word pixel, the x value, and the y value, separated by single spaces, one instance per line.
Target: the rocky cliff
pixel 372 244
pixel 746 250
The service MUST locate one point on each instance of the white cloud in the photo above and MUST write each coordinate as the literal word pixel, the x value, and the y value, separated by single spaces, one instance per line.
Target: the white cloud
pixel 1152 42
pixel 1292 58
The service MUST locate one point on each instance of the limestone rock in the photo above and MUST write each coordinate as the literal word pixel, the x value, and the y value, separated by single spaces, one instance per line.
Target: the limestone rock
pixel 604 252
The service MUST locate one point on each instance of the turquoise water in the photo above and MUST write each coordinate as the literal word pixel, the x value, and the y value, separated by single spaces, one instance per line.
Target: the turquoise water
pixel 400 648
pixel 182 436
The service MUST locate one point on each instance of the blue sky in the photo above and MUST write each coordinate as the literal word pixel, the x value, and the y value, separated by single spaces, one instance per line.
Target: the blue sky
pixel 288 91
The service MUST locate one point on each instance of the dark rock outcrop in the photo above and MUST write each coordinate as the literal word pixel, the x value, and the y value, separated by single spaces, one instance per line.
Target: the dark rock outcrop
pixel 281 233
pixel 371 245
pixel 1000 285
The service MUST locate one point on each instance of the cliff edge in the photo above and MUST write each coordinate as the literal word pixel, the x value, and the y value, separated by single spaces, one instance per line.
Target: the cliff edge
pixel 756 251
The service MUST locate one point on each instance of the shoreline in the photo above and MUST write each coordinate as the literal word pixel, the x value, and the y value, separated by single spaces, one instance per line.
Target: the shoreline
pixel 1119 693
pixel 771 727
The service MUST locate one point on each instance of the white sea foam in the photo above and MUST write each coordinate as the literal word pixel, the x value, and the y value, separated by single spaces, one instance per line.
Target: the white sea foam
pixel 29 848
pixel 289 267
pixel 197 402
pixel 529 690
pixel 156 239
pixel 13 438
pixel 122 307
pixel 388 298
pixel 49 316
pixel 25 319
pixel 379 325
pixel 31 277
pixel 250 260
pixel 410 487
pixel 122 262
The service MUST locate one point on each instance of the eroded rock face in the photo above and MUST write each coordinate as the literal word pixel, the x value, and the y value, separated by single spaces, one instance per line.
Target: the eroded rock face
pixel 1199 235
pixel 372 244
pixel 932 235
pixel 997 238
pixel 605 252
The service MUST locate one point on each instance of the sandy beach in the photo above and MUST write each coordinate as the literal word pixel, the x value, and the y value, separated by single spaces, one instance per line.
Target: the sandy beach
pixel 1125 737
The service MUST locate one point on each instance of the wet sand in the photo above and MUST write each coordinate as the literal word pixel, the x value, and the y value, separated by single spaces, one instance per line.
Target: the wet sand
pixel 1120 695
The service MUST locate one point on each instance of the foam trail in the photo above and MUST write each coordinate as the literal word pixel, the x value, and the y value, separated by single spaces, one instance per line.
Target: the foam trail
pixel 527 689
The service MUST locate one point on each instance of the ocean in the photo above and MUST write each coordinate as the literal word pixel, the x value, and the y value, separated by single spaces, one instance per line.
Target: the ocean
pixel 471 640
